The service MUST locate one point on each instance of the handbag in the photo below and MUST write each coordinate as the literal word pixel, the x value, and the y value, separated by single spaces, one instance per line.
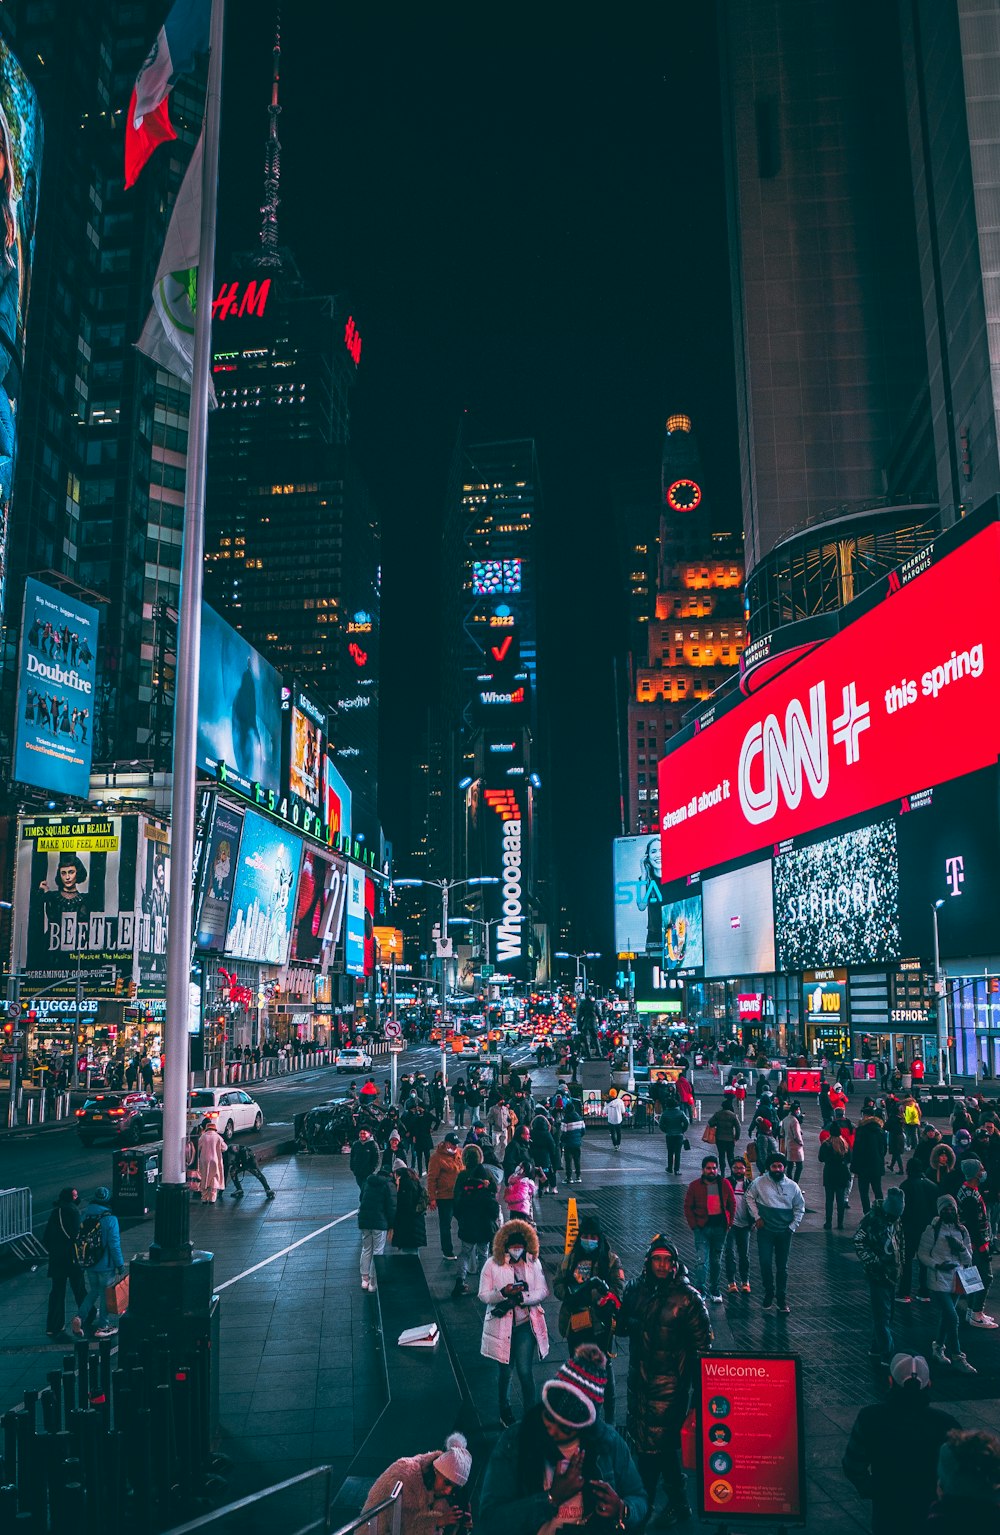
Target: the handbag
pixel 688 1442
pixel 708 1134
pixel 686 1144
pixel 116 1297
pixel 750 1155
pixel 968 1280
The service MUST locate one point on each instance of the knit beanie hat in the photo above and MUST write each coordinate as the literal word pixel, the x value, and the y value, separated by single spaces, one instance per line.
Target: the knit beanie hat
pixel 947 1207
pixel 972 1168
pixel 893 1203
pixel 961 1139
pixel 398 1165
pixel 574 1394
pixel 455 1462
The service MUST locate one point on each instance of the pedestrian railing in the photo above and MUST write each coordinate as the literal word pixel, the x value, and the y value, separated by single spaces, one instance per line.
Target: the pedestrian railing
pixel 302 1505
pixel 15 1226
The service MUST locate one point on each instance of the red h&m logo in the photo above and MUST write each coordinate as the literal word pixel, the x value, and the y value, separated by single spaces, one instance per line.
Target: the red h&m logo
pixel 228 301
pixel 352 339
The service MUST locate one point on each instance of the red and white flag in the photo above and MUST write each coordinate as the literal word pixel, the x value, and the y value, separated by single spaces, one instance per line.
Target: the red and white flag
pixel 182 37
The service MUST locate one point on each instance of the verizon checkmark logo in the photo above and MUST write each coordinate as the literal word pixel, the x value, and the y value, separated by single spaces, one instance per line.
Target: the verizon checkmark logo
pixel 499 651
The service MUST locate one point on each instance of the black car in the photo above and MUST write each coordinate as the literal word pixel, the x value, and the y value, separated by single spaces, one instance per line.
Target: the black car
pixel 123 1117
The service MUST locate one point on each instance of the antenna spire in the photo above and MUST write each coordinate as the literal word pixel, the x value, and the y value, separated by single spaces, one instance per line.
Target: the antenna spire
pixel 269 254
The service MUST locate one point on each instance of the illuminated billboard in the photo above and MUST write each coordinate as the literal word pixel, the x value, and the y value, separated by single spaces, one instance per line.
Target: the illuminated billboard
pixel 369 926
pixel 354 940
pixel 56 691
pixel 20 163
pixel 306 734
pixel 492 577
pixel 152 907
pixel 949 851
pixel 319 908
pixel 739 922
pixel 847 727
pixel 239 709
pixel 683 938
pixel 263 904
pixel 75 901
pixel 836 901
pixel 221 863
pixel 638 896
pixel 337 801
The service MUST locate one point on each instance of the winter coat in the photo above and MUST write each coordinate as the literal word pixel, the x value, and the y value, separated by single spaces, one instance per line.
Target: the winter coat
pixel 60 1234
pixel 573 1127
pixel 795 1149
pixel 685 1092
pixel 943 1249
pixel 409 1228
pixel 878 1243
pixel 674 1122
pixel 973 1216
pixel 517 1151
pixel 543 1147
pixel 364 1160
pixel 211 1166
pixel 778 1204
pixel 765 1147
pixel 513 1499
pixel 667 1326
pixel 605 1266
pixel 696 1201
pixel 377 1205
pixel 111 1260
pixel 417 1123
pixel 475 1206
pixel 499 1271
pixel 742 1219
pixel 615 1112
pixel 920 1205
pixel 836 1165
pixel 868 1155
pixel 903 1430
pixel 422 1513
pixel 442 1171
pixel 726 1124
pixel 519 1196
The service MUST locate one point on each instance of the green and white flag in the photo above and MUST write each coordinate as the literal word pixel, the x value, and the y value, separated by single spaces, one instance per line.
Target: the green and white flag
pixel 168 334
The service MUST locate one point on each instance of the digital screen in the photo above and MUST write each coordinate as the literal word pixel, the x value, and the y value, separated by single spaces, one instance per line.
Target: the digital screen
pixel 824 997
pixel 56 685
pixel 153 907
pixel 221 863
pixel 848 727
pixel 751 1453
pixel 354 943
pixel 638 896
pixel 836 902
pixel 319 907
pixel 21 147
pixel 305 751
pixel 239 708
pixel 369 926
pixel 949 851
pixel 337 801
pixel 263 905
pixel 739 922
pixel 491 577
pixel 683 940
pixel 75 900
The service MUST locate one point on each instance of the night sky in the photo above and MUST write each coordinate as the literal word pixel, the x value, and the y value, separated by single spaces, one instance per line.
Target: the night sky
pixel 527 211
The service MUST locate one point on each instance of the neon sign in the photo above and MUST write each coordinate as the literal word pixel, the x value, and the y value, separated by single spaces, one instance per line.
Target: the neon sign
pixel 357 655
pixel 352 339
pixel 684 495
pixel 361 623
pixel 230 300
pixel 499 651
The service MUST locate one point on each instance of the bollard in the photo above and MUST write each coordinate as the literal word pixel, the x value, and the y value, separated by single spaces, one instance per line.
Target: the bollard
pixel 41 1106
pixel 31 1111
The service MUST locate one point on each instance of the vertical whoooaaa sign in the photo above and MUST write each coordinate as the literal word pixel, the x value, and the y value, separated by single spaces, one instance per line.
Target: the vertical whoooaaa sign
pixel 751 1451
pixel 56 691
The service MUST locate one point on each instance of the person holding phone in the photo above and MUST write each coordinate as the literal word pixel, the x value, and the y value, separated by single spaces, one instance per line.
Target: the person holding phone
pixel 513 1286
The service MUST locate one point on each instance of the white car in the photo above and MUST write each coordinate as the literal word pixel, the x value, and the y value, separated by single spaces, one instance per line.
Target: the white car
pixel 353 1060
pixel 229 1108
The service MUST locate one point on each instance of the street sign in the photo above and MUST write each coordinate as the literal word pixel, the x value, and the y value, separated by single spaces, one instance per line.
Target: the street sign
pixel 393 1030
pixel 13 1009
pixel 486 972
pixel 396 1046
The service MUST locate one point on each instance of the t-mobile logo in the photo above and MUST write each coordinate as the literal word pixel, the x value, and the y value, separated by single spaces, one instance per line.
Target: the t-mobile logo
pixel 954 873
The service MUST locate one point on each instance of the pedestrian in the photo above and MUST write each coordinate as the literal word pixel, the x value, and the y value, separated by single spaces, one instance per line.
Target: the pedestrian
pixel 211 1163
pixel 376 1213
pixel 244 1162
pixel 738 1236
pixel 825 1109
pixel 518 1150
pixel 573 1131
pixel 834 1158
pixel 973 1215
pixel 868 1155
pixel 498 1124
pixel 674 1124
pixel 902 1429
pixel 562 1466
pixel 795 1150
pixel 709 1208
pixel 911 1120
pixel 59 1242
pixel 365 1157
pixel 944 1249
pixel 512 1285
pixel 968 1484
pixel 442 1171
pixel 919 1208
pixel 520 1191
pixel 616 1116
pixel 458 1099
pixel 725 1127
pixel 777 1206
pixel 99 1253
pixel 474 1097
pixel 666 1323
pixel 685 1092
pixel 146 1072
pixel 590 1284
pixel 878 1243
pixel 543 1151
pixel 765 1141
pixel 409 1228
pixel 427 1502
pixel 943 1169
pixel 477 1216
pixel 417 1124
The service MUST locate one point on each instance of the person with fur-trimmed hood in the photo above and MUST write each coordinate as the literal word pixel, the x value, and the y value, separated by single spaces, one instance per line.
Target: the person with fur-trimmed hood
pixel 513 1286
pixel 666 1322
pixel 429 1482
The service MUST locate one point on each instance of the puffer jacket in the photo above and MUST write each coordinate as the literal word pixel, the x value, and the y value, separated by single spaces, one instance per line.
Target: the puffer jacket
pixel 543 1147
pixel 475 1207
pixel 409 1227
pixel 442 1171
pixel 573 1127
pixel 667 1327
pixel 499 1271
pixel 943 1249
pixel 674 1121
pixel 605 1266
pixel 377 1205
pixel 868 1154
pixel 878 1243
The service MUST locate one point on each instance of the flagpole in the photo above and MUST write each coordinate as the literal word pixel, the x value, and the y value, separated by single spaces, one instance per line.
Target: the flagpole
pixel 171 1241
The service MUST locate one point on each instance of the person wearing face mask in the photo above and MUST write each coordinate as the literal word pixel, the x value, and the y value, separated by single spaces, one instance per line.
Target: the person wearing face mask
pixel 512 1285
pixel 737 1251
pixel 944 1249
pixel 878 1243
pixel 777 1207
pixel 590 1283
pixel 666 1322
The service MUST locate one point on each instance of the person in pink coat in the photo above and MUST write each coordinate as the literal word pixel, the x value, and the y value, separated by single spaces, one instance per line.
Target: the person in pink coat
pixel 513 1287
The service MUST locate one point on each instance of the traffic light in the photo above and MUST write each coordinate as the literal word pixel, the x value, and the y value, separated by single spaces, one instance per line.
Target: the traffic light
pixel 119 986
pixel 8 1030
pixel 131 988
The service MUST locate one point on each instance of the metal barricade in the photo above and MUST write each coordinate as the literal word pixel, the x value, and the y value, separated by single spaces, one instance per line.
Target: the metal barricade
pixel 287 1504
pixel 15 1226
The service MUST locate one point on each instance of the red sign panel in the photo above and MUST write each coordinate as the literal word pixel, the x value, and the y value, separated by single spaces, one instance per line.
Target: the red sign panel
pixel 751 1455
pixel 750 1004
pixel 907 695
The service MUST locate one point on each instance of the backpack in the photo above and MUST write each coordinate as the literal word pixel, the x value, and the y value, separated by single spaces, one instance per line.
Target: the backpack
pixel 89 1244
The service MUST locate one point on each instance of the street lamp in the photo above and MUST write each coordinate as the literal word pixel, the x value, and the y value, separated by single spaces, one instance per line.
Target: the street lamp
pixel 942 1006
pixel 484 922
pixel 580 965
pixel 446 886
